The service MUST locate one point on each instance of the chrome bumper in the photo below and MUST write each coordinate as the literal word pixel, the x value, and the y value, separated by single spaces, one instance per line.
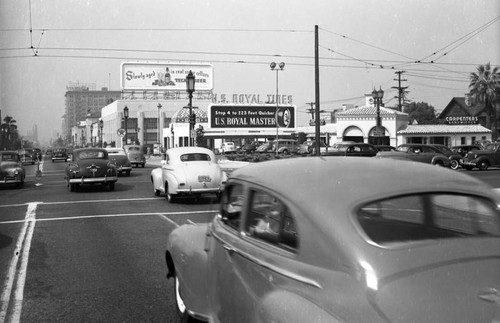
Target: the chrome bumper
pixel 88 180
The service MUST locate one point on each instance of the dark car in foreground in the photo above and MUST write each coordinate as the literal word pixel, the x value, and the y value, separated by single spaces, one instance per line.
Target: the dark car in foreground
pixel 352 150
pixel 413 244
pixel 484 158
pixel 90 166
pixel 11 168
pixel 419 153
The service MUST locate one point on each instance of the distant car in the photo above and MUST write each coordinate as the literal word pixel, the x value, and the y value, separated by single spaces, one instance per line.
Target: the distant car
pixel 393 239
pixel 11 168
pixel 90 166
pixel 352 150
pixel 417 152
pixel 135 155
pixel 27 158
pixel 309 147
pixel 250 147
pixel 464 149
pixel 455 158
pixel 59 155
pixel 119 158
pixel 285 146
pixel 266 147
pixel 227 147
pixel 188 171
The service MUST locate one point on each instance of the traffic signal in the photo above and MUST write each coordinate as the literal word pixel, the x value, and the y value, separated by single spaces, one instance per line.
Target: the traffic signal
pixel 192 119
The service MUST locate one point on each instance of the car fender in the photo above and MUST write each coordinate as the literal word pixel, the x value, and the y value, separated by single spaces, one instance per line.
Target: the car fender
pixel 187 259
pixel 284 306
pixel 480 159
pixel 442 159
pixel 156 178
pixel 173 182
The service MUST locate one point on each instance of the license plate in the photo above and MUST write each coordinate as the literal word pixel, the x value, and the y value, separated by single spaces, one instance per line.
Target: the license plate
pixel 204 179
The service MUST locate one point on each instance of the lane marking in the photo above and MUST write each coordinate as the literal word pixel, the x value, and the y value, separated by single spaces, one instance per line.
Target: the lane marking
pixel 87 201
pixel 23 246
pixel 79 217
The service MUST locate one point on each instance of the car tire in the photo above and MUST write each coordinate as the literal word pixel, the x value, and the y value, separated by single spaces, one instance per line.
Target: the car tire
pixel 72 187
pixel 128 173
pixel 454 164
pixel 483 165
pixel 111 186
pixel 157 192
pixel 170 197
pixel 180 306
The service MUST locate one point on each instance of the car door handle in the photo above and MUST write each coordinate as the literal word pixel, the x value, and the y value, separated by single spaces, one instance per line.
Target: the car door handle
pixel 228 248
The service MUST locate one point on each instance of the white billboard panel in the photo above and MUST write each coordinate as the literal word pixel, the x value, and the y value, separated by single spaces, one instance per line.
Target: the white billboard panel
pixel 165 76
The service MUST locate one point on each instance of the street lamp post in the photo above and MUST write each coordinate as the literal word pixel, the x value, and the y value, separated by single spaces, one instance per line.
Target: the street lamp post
pixel 278 68
pixel 159 124
pixel 101 125
pixel 125 116
pixel 190 81
pixel 377 98
pixel 91 135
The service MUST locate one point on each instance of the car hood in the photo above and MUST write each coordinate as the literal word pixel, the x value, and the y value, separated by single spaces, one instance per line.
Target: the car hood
pixel 463 290
pixel 8 165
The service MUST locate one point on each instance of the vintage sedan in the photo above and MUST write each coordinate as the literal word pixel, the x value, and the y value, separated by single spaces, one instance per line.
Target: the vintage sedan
pixel 419 153
pixel 11 168
pixel 188 171
pixel 357 149
pixel 119 158
pixel 61 155
pixel 412 243
pixel 90 166
pixel 135 155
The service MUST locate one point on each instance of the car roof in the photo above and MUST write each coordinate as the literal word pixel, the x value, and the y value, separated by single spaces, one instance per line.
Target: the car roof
pixel 337 185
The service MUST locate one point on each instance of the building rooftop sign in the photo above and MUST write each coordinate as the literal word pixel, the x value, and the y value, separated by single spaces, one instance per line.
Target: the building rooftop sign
pixel 165 76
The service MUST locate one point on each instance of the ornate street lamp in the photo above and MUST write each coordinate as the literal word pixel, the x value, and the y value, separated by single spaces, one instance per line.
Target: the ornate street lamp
pixel 190 81
pixel 278 68
pixel 125 116
pixel 379 130
pixel 101 125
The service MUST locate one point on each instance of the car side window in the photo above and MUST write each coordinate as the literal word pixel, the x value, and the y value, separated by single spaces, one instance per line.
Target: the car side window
pixel 269 220
pixel 232 205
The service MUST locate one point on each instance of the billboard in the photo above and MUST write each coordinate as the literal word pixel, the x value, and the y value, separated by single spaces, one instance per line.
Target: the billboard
pixel 165 76
pixel 251 116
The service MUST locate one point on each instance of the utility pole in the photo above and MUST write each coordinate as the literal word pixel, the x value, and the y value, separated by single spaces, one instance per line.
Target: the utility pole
pixel 401 90
pixel 316 83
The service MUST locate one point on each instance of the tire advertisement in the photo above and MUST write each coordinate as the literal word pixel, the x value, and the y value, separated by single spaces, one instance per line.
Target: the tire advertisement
pixel 251 116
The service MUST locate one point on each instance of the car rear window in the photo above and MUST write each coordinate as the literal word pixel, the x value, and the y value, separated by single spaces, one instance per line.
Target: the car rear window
pixel 195 157
pixel 429 217
pixel 91 154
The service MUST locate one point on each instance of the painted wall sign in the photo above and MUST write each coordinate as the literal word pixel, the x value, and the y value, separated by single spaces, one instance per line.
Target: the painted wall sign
pixel 165 76
pixel 251 116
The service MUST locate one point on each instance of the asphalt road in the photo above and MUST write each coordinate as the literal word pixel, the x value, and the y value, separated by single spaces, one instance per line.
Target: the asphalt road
pixel 94 255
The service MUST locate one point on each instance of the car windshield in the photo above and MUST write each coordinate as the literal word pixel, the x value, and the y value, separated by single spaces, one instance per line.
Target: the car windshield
pixel 9 157
pixel 444 149
pixel 429 217
pixel 91 154
pixel 195 157
pixel 491 147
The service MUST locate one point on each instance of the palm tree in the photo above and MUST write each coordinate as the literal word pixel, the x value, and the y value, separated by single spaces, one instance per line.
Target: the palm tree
pixel 484 87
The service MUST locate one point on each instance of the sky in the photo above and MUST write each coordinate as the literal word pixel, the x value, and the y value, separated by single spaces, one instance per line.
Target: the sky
pixel 362 43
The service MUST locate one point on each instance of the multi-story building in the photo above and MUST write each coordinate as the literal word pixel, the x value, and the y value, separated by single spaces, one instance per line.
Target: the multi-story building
pixel 83 99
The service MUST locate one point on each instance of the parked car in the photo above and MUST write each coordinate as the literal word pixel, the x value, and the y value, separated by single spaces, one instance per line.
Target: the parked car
pixel 353 150
pixel 464 149
pixel 250 147
pixel 484 158
pixel 135 155
pixel 188 171
pixel 417 152
pixel 11 168
pixel 119 158
pixel 227 147
pixel 455 158
pixel 59 155
pixel 90 166
pixel 285 146
pixel 427 238
pixel 309 147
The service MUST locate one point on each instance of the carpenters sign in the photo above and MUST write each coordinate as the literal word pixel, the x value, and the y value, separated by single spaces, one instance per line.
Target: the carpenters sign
pixel 251 116
pixel 462 120
pixel 165 76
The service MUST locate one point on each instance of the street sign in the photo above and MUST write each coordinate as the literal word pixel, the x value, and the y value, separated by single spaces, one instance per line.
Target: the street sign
pixel 121 132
